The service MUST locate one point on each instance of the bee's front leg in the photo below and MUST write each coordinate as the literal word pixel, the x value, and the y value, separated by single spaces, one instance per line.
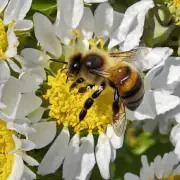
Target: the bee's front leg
pixel 90 101
pixel 85 88
pixel 74 84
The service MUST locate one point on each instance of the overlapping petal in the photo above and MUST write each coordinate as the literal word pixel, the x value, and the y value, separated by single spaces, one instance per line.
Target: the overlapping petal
pixel 46 38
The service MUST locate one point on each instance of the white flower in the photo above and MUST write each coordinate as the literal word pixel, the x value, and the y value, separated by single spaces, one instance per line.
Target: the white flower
pixel 13 154
pixel 162 84
pixel 104 24
pixel 14 13
pixel 17 96
pixel 161 168
pixel 77 153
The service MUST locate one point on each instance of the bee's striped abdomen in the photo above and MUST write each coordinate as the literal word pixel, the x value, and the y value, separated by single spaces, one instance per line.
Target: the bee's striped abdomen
pixel 132 98
pixel 130 85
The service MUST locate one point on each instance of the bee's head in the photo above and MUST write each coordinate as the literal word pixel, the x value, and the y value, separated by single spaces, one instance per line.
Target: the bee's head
pixel 74 65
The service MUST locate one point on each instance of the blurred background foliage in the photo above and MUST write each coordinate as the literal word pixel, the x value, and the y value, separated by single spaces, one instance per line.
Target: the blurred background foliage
pixel 160 30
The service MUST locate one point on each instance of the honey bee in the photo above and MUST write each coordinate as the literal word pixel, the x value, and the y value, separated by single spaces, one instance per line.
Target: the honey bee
pixel 113 69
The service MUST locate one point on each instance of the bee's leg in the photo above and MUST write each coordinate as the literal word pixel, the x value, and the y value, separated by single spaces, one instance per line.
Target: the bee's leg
pixel 85 88
pixel 74 84
pixel 116 102
pixel 89 102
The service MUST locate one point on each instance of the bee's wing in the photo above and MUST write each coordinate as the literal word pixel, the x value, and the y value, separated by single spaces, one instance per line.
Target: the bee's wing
pixel 119 121
pixel 133 56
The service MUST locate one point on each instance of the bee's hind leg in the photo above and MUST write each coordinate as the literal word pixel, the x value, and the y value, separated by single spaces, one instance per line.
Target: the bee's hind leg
pixel 89 102
pixel 74 84
pixel 116 102
pixel 119 116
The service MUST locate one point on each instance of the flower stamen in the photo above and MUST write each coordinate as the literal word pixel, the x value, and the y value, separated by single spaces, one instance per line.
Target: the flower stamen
pixel 65 106
pixel 6 145
pixel 3 40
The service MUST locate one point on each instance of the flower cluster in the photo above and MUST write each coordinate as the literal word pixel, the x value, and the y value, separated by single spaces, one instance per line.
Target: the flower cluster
pixel 63 120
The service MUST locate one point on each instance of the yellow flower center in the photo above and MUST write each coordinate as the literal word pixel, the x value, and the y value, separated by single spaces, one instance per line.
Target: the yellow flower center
pixel 65 106
pixel 3 40
pixel 172 178
pixel 176 3
pixel 174 8
pixel 6 145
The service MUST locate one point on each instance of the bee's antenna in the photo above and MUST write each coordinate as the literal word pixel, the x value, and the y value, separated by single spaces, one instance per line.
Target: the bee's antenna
pixel 67 74
pixel 59 60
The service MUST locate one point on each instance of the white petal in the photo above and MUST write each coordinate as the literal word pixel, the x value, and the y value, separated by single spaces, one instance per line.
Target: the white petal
pixel 34 58
pixel 2 105
pixel 28 159
pixel 86 29
pixel 152 59
pixel 146 110
pixel 113 154
pixel 165 102
pixel 130 176
pixel 104 16
pixel 17 141
pixel 103 155
pixel 149 78
pixel 28 174
pixel 45 133
pixel 68 51
pixel 121 33
pixel 22 121
pixel 16 10
pixel 12 43
pixel 23 25
pixel 176 171
pixel 10 97
pixel 175 134
pixel 177 149
pixel 118 17
pixel 36 115
pixel 3 4
pixel 28 103
pixel 83 45
pixel 95 1
pixel 73 11
pixel 56 154
pixel 158 164
pixel 27 145
pixel 169 77
pixel 177 117
pixel 72 159
pixel 18 166
pixel 133 38
pixel 46 38
pixel 163 123
pixel 4 72
pixel 115 140
pixel 32 79
pixel 144 162
pixel 88 158
pixel 65 33
pixel 169 161
pixel 14 66
pixel 23 144
pixel 22 129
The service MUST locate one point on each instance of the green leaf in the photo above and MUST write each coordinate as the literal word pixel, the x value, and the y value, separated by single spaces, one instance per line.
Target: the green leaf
pixel 45 6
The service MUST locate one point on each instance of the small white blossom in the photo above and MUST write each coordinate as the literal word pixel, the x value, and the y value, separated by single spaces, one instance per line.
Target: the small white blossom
pixel 160 168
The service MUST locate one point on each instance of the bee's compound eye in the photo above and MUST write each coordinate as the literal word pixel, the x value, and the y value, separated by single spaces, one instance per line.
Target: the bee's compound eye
pixel 94 61
pixel 75 64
